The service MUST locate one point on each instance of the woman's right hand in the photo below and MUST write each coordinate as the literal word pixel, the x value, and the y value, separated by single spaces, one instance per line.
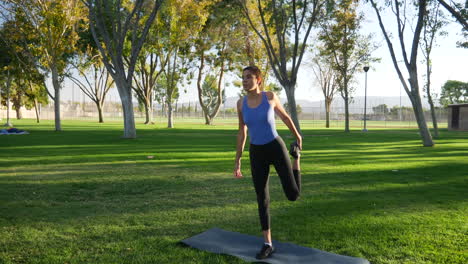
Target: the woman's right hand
pixel 237 172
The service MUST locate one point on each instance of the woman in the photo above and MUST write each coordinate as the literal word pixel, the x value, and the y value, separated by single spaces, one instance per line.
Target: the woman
pixel 256 112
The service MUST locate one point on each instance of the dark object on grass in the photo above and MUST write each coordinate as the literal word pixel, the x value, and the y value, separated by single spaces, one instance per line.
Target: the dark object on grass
pixel 12 131
pixel 245 247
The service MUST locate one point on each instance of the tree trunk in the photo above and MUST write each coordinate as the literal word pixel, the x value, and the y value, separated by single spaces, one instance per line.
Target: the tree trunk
pixel 419 112
pixel 127 106
pixel 8 100
pixel 147 113
pixel 208 120
pixel 292 105
pixel 170 122
pixel 346 100
pixel 248 46
pixel 99 108
pixel 423 129
pixel 219 99
pixel 327 112
pixel 413 94
pixel 205 111
pixel 19 115
pixel 434 117
pixel 56 84
pixel 37 111
pixel 17 105
pixel 150 110
pixel 8 112
pixel 429 98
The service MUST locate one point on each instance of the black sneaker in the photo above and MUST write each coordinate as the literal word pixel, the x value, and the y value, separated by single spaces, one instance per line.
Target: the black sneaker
pixel 265 252
pixel 294 150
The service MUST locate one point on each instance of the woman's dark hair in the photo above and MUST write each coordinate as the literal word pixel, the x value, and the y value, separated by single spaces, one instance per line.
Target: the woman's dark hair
pixel 255 70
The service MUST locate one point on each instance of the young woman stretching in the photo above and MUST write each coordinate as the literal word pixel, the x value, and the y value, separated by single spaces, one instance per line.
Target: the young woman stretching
pixel 256 112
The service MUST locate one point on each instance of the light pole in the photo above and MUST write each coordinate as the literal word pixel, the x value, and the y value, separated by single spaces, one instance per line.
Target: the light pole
pixel 366 69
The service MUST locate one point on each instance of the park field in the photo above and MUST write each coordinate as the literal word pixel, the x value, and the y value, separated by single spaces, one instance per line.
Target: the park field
pixel 85 195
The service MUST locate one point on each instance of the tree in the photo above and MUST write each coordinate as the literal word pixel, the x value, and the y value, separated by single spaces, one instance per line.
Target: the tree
pixel 348 49
pixel 381 109
pixel 95 81
pixel 5 74
pixel 150 65
pixel 398 112
pixel 410 61
pixel 53 24
pixel 6 54
pixel 28 87
pixel 460 13
pixel 284 29
pixel 454 92
pixel 219 49
pixel 115 24
pixel 210 93
pixel 149 68
pixel 17 96
pixel 327 79
pixel 185 20
pixel 433 24
pixel 24 92
pixel 37 94
pixel 299 108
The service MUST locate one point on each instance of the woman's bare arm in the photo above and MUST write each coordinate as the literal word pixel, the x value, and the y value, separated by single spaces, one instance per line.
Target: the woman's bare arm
pixel 279 110
pixel 241 138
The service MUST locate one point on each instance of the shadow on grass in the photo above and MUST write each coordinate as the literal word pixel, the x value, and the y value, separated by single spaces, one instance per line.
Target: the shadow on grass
pixel 127 189
pixel 105 146
pixel 77 179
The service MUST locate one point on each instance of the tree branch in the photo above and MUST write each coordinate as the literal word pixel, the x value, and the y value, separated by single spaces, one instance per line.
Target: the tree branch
pixel 456 14
pixel 390 47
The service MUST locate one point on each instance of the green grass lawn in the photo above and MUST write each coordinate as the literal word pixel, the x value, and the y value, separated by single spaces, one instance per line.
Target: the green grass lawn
pixel 85 195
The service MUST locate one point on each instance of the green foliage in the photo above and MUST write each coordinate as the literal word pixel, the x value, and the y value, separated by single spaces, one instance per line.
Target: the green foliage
pixel 454 92
pixel 53 25
pixel 17 63
pixel 210 93
pixel 395 112
pixel 25 93
pixel 298 108
pixel 434 23
pixel 462 10
pixel 5 57
pixel 184 21
pixel 342 41
pixel 381 109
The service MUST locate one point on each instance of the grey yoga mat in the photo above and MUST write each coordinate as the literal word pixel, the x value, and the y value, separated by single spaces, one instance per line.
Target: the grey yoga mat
pixel 246 246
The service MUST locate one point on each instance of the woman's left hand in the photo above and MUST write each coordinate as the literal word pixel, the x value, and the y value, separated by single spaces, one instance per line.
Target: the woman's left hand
pixel 299 142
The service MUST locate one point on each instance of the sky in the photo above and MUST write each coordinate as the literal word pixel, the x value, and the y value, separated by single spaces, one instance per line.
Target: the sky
pixel 449 63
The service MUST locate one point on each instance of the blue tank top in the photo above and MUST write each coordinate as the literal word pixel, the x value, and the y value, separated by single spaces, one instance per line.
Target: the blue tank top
pixel 260 121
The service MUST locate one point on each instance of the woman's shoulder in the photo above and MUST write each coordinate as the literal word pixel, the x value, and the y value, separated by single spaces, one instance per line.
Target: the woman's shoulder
pixel 270 95
pixel 239 103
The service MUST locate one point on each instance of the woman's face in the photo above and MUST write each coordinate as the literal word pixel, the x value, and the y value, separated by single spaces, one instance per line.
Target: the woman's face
pixel 249 81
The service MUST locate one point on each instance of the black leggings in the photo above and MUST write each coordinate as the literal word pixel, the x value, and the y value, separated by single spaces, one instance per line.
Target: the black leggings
pixel 261 156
